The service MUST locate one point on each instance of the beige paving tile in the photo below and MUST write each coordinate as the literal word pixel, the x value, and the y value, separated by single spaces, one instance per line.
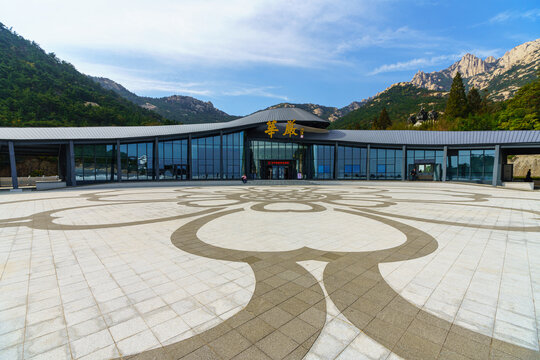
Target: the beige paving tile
pixel 137 343
pixel 132 281
pixel 169 329
pixel 127 328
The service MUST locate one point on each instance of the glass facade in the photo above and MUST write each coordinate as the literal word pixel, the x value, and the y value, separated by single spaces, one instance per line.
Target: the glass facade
pixel 137 161
pixel 95 162
pixel 470 165
pixel 427 163
pixel 352 162
pixel 291 155
pixel 385 164
pixel 206 158
pixel 233 155
pixel 225 156
pixel 323 161
pixel 173 160
pixel 5 166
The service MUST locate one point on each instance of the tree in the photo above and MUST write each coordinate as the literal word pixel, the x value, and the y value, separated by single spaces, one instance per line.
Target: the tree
pixel 522 112
pixel 383 122
pixel 474 101
pixel 485 105
pixel 456 106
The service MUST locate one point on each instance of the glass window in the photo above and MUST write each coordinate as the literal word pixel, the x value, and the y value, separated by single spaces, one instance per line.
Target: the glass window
pixel 206 158
pixel 89 163
pixel 477 164
pixel 137 161
pixel 385 164
pixel 464 164
pixel 101 163
pixel 323 161
pixel 351 162
pixel 427 161
pixel 124 161
pixel 471 165
pixel 142 162
pixel 95 162
pixel 79 161
pixel 233 155
pixel 489 158
pixel 264 151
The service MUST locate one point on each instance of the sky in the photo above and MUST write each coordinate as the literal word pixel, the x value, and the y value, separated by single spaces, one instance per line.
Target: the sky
pixel 246 55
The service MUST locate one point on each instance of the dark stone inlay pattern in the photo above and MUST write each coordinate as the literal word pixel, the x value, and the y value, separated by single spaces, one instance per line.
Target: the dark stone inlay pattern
pixel 284 317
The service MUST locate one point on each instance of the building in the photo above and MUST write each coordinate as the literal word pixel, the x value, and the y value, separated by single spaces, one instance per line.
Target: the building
pixel 284 143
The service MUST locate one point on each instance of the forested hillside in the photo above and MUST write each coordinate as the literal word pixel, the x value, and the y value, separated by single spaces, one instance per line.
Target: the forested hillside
pixel 38 89
pixel 522 112
pixel 182 109
pixel 399 100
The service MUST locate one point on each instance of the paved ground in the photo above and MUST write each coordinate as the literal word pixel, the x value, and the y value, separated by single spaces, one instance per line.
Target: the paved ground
pixel 354 271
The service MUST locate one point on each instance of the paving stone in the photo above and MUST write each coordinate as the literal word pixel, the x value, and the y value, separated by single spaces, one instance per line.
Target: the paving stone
pixel 339 270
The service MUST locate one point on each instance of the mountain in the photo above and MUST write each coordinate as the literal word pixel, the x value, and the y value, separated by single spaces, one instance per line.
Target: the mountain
pixel 501 77
pixel 183 109
pixel 400 100
pixel 324 112
pixel 38 89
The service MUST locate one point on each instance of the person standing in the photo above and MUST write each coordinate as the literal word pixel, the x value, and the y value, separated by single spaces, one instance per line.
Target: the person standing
pixel 528 177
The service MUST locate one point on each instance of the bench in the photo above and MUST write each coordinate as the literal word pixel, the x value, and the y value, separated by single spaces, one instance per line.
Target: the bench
pixel 521 185
pixel 47 185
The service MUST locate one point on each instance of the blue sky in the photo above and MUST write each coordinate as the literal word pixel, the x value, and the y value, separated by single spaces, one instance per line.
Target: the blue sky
pixel 245 55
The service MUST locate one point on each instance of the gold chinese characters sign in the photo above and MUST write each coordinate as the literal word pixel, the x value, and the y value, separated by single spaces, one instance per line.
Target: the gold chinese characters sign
pixel 290 130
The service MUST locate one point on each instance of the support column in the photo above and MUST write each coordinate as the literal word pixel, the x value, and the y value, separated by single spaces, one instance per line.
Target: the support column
pixel 368 161
pixel 156 159
pixel 118 162
pixel 335 160
pixel 71 164
pixel 404 163
pixel 497 164
pixel 221 155
pixel 67 159
pixel 444 163
pixel 190 160
pixel 247 158
pixel 13 165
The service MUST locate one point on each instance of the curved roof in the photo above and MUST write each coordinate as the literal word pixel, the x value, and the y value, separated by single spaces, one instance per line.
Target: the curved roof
pixel 418 137
pixel 123 132
pixel 384 137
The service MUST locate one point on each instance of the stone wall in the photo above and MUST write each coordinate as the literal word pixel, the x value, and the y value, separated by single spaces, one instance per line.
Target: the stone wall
pixel 522 163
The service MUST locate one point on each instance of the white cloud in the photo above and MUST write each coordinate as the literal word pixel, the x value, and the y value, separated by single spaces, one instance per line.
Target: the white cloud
pixel 140 82
pixel 282 32
pixel 413 64
pixel 402 37
pixel 264 91
pixel 418 63
pixel 137 81
pixel 515 15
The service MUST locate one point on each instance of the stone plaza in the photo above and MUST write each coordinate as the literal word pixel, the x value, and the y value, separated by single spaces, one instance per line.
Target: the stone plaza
pixel 339 270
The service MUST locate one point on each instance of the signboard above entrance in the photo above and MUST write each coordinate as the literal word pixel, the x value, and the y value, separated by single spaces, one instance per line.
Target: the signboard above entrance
pixel 290 129
pixel 279 162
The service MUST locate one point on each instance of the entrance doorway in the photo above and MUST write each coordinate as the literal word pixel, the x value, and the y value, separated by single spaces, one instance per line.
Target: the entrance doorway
pixel 278 169
pixel 426 171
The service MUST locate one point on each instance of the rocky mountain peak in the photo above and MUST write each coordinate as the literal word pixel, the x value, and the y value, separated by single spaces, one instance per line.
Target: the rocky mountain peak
pixel 184 109
pixel 469 65
pixel 503 76
pixel 526 52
